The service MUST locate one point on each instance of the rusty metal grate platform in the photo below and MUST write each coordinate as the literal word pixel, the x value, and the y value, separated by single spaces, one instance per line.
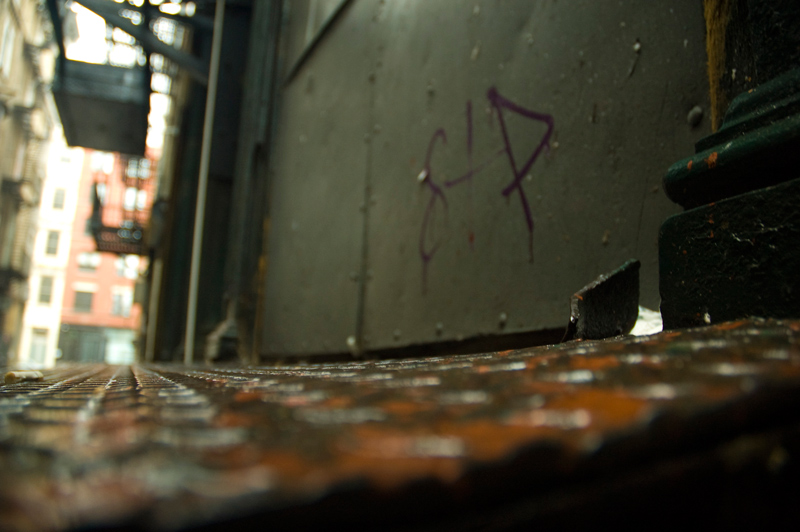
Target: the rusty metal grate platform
pixel 487 441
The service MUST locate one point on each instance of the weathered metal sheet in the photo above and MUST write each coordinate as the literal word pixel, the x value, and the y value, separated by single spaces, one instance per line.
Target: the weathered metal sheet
pixel 615 119
pixel 503 439
pixel 103 107
pixel 541 129
pixel 315 234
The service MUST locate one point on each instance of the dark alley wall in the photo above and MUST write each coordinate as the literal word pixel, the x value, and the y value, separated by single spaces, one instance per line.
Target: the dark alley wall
pixel 445 170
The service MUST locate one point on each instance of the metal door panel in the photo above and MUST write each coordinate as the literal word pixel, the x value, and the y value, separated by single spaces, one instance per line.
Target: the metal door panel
pixel 619 119
pixel 612 83
pixel 317 187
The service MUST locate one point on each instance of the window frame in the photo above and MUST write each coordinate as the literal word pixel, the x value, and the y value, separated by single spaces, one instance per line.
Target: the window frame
pixel 86 309
pixel 48 281
pixel 59 199
pixel 51 244
pixel 88 261
pixel 37 352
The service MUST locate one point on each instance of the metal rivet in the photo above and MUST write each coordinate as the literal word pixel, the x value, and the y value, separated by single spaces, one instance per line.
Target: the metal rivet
pixel 695 116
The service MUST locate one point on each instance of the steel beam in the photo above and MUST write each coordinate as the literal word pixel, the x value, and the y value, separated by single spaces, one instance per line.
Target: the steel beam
pixel 193 65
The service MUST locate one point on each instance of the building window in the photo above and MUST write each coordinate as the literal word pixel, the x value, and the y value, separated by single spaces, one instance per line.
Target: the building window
pixel 83 301
pixel 131 196
pixel 38 345
pixel 127 266
pixel 102 162
pixel 88 261
pixel 138 168
pixel 160 83
pixel 141 200
pixel 45 289
pixel 52 243
pixel 58 198
pixel 121 301
pixel 7 46
pixel 100 191
pixel 120 266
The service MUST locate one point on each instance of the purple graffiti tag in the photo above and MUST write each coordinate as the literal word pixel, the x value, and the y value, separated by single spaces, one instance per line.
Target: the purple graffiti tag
pixel 471 171
pixel 500 103
pixel 428 242
pixel 436 194
pixel 460 179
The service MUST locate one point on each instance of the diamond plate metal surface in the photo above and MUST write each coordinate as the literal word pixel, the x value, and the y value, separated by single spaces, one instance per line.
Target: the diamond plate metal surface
pixel 149 446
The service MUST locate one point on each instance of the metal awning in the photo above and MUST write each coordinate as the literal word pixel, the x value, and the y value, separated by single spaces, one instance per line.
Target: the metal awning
pixel 103 107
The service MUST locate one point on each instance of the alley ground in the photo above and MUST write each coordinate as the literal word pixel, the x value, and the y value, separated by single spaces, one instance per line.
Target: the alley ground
pixel 668 428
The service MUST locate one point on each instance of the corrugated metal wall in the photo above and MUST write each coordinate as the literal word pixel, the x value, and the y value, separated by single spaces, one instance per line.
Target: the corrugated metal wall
pixel 541 131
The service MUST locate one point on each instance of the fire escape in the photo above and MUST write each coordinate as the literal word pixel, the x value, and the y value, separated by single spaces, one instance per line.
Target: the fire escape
pixel 118 223
pixel 105 107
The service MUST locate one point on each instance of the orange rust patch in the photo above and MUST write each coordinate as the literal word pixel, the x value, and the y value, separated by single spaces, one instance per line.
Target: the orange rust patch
pixel 288 465
pixel 609 409
pixel 711 160
pixel 338 402
pixel 244 397
pixel 731 325
pixel 297 400
pixel 542 387
pixel 689 166
pixel 594 363
pixel 233 457
pixel 405 408
pixel 386 456
pixel 234 419
pixel 488 440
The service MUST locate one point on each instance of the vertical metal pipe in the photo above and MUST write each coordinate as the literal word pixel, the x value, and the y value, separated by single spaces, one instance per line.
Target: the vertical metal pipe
pixel 202 184
pixel 152 312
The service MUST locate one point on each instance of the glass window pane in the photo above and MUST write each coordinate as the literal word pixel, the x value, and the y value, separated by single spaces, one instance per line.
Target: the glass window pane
pixel 58 198
pixel 45 289
pixel 38 345
pixel 52 243
pixel 83 301
pixel 129 203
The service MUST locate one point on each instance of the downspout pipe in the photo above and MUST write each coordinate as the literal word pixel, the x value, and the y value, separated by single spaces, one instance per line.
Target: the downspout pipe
pixel 202 184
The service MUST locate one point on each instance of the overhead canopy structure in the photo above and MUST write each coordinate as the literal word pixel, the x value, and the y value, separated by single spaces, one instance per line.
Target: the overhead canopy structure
pixel 103 107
